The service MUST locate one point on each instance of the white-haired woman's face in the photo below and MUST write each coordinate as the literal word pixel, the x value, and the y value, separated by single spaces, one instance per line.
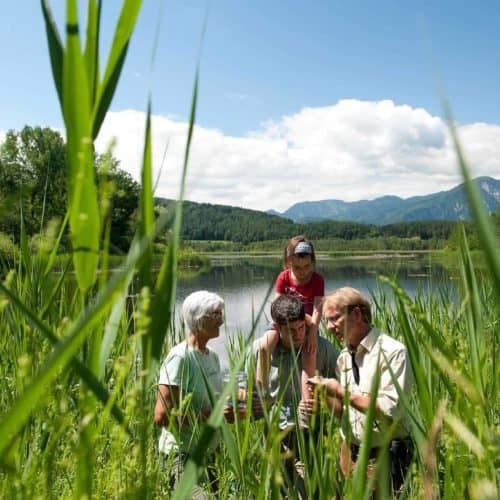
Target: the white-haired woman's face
pixel 211 323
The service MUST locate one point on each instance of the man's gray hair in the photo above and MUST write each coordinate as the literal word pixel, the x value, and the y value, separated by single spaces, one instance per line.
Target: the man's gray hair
pixel 198 306
pixel 348 297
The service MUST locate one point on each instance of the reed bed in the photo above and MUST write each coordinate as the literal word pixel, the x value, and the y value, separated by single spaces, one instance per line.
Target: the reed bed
pixel 79 358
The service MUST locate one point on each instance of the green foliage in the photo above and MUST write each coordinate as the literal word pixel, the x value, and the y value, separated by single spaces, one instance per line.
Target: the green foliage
pixel 455 240
pixel 120 191
pixel 8 249
pixel 246 228
pixel 32 179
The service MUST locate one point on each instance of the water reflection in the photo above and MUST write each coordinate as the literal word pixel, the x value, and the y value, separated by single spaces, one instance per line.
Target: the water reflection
pixel 244 283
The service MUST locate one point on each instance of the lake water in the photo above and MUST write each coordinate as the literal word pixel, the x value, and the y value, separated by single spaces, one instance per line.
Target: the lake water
pixel 245 282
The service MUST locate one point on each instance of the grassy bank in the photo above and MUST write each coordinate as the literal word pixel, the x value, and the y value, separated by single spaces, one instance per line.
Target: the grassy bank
pixel 453 408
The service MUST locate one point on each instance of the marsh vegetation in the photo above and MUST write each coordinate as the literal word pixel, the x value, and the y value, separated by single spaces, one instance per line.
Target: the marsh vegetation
pixel 79 362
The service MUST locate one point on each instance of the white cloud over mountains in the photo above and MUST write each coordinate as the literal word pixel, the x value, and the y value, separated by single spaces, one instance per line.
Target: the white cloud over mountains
pixel 351 150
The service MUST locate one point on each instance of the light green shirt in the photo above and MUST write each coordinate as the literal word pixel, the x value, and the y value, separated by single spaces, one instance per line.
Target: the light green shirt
pixel 198 377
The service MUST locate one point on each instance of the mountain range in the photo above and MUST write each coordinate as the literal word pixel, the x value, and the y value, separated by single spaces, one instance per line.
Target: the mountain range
pixel 444 205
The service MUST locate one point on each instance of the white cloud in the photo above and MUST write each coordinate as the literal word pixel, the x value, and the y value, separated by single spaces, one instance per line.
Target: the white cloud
pixel 352 150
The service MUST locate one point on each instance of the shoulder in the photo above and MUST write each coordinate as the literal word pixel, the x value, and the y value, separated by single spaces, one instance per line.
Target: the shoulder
pixel 326 348
pixel 391 347
pixel 284 275
pixel 179 350
pixel 390 343
pixel 175 364
pixel 213 355
pixel 326 361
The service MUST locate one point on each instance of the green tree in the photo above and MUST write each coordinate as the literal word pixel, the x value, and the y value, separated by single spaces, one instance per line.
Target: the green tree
pixel 122 192
pixel 32 178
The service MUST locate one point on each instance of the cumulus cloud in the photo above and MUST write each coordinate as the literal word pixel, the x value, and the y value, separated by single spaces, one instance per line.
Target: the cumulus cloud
pixel 351 150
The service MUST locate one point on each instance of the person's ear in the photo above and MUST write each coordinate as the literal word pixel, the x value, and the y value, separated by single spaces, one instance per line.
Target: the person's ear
pixel 358 314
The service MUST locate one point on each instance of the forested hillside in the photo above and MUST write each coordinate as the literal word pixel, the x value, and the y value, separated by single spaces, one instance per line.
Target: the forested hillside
pixel 204 221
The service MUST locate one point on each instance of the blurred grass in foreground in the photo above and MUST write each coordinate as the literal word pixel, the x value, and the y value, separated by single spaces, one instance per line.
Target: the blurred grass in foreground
pixel 79 363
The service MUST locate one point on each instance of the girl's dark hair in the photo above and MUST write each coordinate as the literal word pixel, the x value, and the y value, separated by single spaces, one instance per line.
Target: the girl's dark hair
pixel 290 249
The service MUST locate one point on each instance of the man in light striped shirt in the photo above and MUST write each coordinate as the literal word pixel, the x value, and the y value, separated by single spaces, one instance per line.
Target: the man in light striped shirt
pixel 366 352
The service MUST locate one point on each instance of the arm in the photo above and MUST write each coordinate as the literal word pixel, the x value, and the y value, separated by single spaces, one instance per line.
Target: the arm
pixel 317 310
pixel 313 322
pixel 168 398
pixel 267 344
pixel 167 405
pixel 308 371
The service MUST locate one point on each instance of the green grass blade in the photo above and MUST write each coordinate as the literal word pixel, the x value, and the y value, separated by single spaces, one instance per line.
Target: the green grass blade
pixel 111 331
pixel 359 480
pixel 17 416
pixel 55 248
pixel 162 307
pixel 123 32
pixel 62 276
pixel 80 369
pixel 92 46
pixel 474 317
pixel 464 383
pixel 146 208
pixel 56 49
pixel 463 433
pixel 83 206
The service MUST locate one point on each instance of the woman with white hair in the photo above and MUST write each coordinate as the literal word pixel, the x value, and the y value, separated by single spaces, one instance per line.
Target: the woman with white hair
pixel 190 379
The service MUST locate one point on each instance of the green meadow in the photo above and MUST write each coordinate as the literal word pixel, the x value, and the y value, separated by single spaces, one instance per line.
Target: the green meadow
pixel 79 357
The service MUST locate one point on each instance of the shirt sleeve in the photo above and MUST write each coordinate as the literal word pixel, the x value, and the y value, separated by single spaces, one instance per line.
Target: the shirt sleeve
pixel 280 283
pixel 172 371
pixel 388 396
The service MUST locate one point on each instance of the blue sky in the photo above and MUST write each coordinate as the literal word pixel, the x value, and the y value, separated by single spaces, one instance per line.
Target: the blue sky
pixel 298 101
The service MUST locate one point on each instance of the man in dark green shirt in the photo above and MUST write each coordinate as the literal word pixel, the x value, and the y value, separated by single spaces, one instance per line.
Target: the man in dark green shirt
pixel 284 374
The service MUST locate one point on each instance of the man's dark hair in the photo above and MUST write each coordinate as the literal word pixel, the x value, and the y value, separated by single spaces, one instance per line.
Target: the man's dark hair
pixel 287 309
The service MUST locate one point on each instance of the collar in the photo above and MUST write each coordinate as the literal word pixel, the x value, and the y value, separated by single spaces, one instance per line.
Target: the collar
pixel 280 349
pixel 370 339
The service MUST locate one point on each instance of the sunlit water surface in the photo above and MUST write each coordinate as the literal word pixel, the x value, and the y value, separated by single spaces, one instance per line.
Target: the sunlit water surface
pixel 245 283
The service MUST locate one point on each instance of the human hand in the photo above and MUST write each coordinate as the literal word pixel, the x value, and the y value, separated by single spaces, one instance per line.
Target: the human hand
pixel 332 385
pixel 232 413
pixel 308 406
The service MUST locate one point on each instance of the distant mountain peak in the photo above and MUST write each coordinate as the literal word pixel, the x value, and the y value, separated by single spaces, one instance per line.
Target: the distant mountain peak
pixel 388 209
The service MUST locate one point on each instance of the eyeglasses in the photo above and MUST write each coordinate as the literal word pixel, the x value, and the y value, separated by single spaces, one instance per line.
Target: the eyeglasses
pixel 217 315
pixel 347 309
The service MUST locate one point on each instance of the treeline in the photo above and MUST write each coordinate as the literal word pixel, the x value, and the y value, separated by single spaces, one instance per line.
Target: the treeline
pixel 208 222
